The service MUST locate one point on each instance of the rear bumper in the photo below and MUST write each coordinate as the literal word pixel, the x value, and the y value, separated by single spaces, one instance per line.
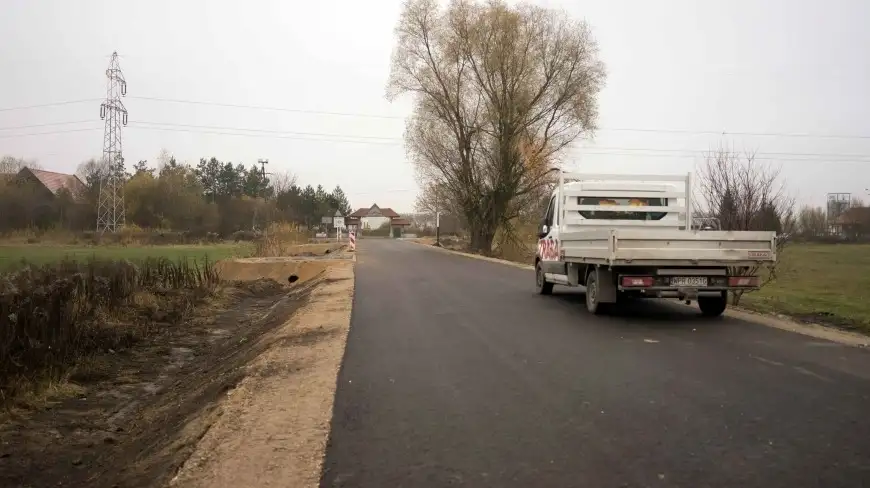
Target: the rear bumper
pixel 682 293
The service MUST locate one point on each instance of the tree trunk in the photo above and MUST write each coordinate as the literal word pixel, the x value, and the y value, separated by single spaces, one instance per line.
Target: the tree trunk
pixel 481 239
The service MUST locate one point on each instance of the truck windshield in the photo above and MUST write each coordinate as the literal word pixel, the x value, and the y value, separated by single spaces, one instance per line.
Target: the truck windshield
pixel 621 214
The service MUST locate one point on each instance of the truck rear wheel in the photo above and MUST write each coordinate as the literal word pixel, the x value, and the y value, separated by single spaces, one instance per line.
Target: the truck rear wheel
pixel 541 284
pixel 592 304
pixel 713 306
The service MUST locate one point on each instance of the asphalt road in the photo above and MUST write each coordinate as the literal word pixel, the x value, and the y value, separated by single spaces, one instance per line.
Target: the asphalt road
pixel 457 374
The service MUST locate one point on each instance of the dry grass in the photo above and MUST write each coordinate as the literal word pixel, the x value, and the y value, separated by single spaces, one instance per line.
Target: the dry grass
pixel 279 239
pixel 130 235
pixel 17 256
pixel 54 316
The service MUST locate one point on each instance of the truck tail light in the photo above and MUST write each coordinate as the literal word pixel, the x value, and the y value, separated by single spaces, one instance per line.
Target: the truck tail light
pixel 748 281
pixel 637 281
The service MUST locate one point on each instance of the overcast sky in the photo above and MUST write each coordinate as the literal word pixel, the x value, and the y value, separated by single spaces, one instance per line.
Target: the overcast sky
pixel 676 69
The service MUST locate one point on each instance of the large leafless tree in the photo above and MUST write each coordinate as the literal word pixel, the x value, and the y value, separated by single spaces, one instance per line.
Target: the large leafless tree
pixel 498 92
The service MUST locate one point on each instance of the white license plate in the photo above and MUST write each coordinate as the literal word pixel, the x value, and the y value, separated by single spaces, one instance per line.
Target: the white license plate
pixel 692 281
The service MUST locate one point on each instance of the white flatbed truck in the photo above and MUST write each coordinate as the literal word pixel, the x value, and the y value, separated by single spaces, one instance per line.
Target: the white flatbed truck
pixel 624 236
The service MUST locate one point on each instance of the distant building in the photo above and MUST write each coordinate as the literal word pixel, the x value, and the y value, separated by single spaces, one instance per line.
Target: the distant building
pixel 376 217
pixel 38 198
pixel 853 223
pixel 52 183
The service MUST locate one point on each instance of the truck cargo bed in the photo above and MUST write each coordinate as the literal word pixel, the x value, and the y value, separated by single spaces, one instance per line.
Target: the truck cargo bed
pixel 666 247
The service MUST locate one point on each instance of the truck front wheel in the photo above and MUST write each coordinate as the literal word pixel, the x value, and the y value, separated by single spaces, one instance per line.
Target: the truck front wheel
pixel 541 284
pixel 713 306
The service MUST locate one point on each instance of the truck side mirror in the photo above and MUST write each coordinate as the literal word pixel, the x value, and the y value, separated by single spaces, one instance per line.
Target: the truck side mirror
pixel 544 230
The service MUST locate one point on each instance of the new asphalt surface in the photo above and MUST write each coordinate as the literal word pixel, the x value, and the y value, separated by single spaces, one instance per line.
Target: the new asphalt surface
pixel 457 374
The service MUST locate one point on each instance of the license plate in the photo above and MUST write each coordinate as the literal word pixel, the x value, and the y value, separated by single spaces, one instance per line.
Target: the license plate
pixel 693 281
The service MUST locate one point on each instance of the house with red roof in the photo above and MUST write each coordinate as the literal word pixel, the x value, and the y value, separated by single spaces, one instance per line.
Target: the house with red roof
pixel 53 183
pixel 376 217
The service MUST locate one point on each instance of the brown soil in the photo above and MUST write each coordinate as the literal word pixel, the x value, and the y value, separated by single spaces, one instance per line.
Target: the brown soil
pixel 279 269
pixel 314 249
pixel 131 418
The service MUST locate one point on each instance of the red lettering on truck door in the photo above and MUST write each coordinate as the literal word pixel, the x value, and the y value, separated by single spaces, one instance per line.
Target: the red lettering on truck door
pixel 548 249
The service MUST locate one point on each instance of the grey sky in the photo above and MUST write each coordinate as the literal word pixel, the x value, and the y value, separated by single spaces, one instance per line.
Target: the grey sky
pixel 783 66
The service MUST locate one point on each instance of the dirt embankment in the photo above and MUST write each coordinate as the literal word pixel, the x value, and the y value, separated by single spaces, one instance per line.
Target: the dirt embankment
pixel 240 393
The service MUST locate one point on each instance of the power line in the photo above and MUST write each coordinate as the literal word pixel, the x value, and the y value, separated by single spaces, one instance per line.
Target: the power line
pixel 702 152
pixel 333 137
pixel 396 190
pixel 262 107
pixel 393 141
pixel 45 125
pixel 267 131
pixel 49 132
pixel 272 136
pixel 53 104
pixel 398 117
pixel 387 141
pixel 740 133
pixel 759 156
pixel 610 129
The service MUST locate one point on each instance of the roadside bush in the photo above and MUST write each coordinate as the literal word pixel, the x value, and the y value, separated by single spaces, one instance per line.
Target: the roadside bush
pixel 52 315
pixel 278 239
pixel 245 235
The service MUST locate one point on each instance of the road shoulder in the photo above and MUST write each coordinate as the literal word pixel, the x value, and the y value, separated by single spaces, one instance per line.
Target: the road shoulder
pixel 775 321
pixel 275 423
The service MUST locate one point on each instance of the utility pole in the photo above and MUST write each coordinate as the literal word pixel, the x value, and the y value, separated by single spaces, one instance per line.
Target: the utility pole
pixel 263 163
pixel 110 205
pixel 437 222
pixel 261 191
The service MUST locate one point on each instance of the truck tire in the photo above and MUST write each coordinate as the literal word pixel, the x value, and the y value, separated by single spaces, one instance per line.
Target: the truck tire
pixel 592 304
pixel 713 306
pixel 541 284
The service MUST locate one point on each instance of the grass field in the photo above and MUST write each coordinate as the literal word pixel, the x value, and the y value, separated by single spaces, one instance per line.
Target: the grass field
pixel 826 283
pixel 13 256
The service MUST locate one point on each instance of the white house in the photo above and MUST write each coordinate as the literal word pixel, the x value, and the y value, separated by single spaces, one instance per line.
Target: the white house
pixel 375 217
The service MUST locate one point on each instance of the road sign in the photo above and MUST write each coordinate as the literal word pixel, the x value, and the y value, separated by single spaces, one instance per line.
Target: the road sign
pixel 338 222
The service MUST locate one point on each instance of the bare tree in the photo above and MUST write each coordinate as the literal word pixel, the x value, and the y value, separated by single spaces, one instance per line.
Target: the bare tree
pixel 498 92
pixel 164 159
pixel 11 165
pixel 745 194
pixel 282 181
pixel 812 221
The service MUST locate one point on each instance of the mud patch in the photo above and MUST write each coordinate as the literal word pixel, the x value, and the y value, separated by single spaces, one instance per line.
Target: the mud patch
pixel 137 414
